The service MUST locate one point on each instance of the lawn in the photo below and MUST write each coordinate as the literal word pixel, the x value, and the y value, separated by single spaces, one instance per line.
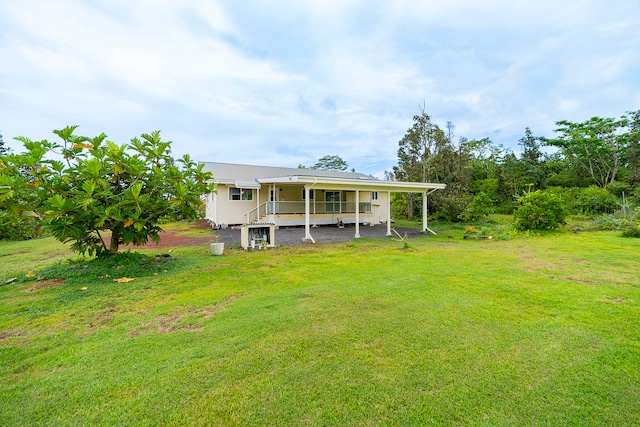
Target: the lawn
pixel 542 330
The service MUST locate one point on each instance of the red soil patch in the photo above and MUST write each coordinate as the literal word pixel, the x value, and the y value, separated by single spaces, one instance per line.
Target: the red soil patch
pixel 45 284
pixel 169 239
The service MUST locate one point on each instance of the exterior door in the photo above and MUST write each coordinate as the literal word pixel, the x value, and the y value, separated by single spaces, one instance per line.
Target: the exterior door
pixel 332 199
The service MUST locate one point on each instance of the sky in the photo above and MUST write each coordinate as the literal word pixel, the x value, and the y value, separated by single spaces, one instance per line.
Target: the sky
pixel 285 82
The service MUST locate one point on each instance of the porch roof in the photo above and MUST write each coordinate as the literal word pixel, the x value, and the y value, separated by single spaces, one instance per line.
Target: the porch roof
pixel 367 184
pixel 248 176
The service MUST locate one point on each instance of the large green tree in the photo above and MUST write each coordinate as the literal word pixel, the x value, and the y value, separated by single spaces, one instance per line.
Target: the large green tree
pixel 96 188
pixel 531 160
pixel 330 163
pixel 632 154
pixel 417 152
pixel 596 145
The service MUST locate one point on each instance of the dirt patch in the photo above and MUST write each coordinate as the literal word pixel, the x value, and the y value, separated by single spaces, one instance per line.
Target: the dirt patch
pixel 182 321
pixel 103 319
pixel 615 300
pixel 45 284
pixel 107 315
pixel 586 282
pixel 10 333
pixel 169 239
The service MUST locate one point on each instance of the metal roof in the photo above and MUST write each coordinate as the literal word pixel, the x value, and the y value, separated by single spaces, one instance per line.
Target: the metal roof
pixel 248 176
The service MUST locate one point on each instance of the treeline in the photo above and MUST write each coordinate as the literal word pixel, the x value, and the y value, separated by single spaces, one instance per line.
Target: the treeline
pixel 593 167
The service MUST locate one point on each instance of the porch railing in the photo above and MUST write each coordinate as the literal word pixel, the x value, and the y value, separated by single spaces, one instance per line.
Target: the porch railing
pixel 275 208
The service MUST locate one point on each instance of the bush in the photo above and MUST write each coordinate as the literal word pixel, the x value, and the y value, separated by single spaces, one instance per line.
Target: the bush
pixel 604 223
pixel 450 206
pixel 539 210
pixel 589 201
pixel 13 227
pixel 631 226
pixel 618 188
pixel 480 206
pixel 594 200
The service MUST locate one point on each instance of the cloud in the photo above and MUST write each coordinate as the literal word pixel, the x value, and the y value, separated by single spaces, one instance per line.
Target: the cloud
pixel 284 82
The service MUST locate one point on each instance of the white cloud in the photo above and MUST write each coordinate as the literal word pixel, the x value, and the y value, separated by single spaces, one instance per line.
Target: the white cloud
pixel 284 82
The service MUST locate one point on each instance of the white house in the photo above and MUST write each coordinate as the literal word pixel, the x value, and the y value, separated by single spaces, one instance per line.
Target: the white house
pixel 289 197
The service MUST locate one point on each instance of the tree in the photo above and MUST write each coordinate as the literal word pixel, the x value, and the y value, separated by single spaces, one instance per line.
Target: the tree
pixel 330 163
pixel 418 147
pixel 100 187
pixel 4 150
pixel 597 146
pixel 531 159
pixel 416 152
pixel 17 220
pixel 632 155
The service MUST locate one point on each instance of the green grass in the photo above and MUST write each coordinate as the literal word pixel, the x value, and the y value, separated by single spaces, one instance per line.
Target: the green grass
pixel 541 330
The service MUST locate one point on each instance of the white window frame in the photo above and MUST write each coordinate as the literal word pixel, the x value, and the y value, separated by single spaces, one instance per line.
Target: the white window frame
pixel 374 195
pixel 240 194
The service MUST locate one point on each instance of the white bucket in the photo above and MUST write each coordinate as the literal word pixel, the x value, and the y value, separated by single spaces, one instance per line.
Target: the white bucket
pixel 217 248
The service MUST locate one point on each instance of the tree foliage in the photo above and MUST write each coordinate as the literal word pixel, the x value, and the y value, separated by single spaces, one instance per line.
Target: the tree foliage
pixel 4 150
pixel 604 152
pixel 596 145
pixel 539 210
pixel 99 187
pixel 420 154
pixel 329 163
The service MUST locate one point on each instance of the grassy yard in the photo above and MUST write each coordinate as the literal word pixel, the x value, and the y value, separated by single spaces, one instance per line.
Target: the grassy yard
pixel 543 330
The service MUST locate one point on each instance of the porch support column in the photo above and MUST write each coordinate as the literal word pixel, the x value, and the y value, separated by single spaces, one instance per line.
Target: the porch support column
pixel 425 211
pixel 357 236
pixel 307 232
pixel 388 213
pixel 425 208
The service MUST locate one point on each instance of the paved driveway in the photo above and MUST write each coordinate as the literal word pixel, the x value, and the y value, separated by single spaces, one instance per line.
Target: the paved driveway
pixel 286 236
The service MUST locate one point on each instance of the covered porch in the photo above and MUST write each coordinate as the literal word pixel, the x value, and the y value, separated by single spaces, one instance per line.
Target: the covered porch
pixel 326 201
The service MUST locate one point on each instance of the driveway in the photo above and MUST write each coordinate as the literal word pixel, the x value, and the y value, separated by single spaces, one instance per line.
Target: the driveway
pixel 286 236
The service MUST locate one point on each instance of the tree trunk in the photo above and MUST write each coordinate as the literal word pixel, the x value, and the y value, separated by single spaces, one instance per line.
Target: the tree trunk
pixel 115 242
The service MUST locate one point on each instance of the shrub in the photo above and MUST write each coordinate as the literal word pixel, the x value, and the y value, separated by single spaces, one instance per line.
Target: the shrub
pixel 589 201
pixel 617 188
pixel 539 210
pixel 480 206
pixel 450 206
pixel 14 227
pixel 631 226
pixel 594 200
pixel 605 222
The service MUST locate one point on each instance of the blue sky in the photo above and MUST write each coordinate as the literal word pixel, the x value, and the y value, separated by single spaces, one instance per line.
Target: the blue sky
pixel 285 82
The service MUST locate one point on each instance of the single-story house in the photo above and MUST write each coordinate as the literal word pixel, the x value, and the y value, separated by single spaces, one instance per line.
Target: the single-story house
pixel 303 197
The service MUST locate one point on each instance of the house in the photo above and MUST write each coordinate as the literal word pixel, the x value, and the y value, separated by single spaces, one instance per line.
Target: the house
pixel 303 197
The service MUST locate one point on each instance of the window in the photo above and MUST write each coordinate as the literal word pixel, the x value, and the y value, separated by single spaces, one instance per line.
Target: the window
pixel 311 196
pixel 240 194
pixel 374 195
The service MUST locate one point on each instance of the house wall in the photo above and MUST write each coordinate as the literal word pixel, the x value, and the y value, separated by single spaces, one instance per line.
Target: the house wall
pixel 220 210
pixel 210 208
pixel 225 211
pixel 379 208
